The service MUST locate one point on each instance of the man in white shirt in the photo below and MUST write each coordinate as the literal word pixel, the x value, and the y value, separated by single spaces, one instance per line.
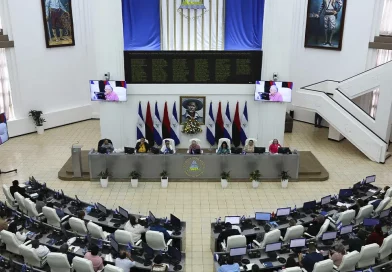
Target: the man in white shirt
pixel 42 251
pixel 124 261
pixel 134 228
pixel 167 148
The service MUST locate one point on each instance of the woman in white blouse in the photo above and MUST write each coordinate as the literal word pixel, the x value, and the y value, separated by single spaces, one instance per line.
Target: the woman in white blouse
pixel 135 229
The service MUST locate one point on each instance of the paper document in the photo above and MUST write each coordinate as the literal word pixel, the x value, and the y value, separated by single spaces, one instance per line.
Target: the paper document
pixel 339 204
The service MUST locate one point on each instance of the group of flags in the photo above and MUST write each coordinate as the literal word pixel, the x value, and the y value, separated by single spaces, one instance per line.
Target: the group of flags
pixel 155 130
pixel 223 127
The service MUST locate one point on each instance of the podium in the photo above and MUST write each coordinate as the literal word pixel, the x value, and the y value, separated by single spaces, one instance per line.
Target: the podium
pixel 77 160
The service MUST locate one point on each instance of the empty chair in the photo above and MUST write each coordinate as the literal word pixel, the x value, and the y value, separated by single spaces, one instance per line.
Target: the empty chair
pixel 323 266
pixel 52 217
pixel 30 207
pixel 78 225
pixel 96 231
pixel 323 229
pixel 349 261
pixel 270 237
pixel 293 269
pixel 11 242
pixel 31 257
pixel 364 212
pixel 388 193
pixel 58 262
pixel 382 204
pixel 172 143
pixel 234 241
pixel 221 140
pixel 124 237
pixel 293 232
pixel 9 198
pixel 368 254
pixel 20 200
pixel 345 218
pixel 111 268
pixel 82 265
pixel 385 249
pixel 156 240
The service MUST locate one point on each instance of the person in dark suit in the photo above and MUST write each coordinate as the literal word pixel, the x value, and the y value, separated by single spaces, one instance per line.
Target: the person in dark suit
pixel 142 146
pixel 315 226
pixel 16 188
pixel 356 242
pixel 311 258
pixel 229 231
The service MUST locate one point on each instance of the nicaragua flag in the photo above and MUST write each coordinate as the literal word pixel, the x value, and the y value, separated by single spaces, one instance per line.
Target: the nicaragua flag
pixel 157 126
pixel 175 126
pixel 210 134
pixel 227 123
pixel 244 125
pixel 141 126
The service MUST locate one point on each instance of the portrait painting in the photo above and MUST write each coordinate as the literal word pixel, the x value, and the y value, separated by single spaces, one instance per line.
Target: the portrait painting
pixel 58 23
pixel 192 107
pixel 325 24
pixel 3 129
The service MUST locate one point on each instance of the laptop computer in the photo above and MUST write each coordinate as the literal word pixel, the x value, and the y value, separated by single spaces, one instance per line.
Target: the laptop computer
pixel 236 150
pixel 154 150
pixel 129 150
pixel 259 150
pixel 196 152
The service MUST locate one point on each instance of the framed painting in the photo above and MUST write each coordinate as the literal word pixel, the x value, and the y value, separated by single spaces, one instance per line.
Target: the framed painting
pixel 58 23
pixel 325 24
pixel 193 107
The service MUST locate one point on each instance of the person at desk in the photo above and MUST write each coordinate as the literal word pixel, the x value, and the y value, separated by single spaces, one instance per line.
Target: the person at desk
pixel 358 205
pixel 311 258
pixel 273 148
pixel 377 236
pixel 290 262
pixel 336 255
pixel 92 255
pixel 356 242
pixel 230 266
pixel 193 147
pixel 136 230
pixel 64 249
pixel 142 146
pixel 13 227
pixel 81 214
pixel 224 149
pixel 336 215
pixel 292 223
pixel 229 231
pixel 124 261
pixel 59 212
pixel 167 148
pixel 159 265
pixel 3 222
pixel 250 147
pixel 255 268
pixel 315 226
pixel 109 147
pixel 383 191
pixel 40 203
pixel 157 227
pixel 16 188
pixel 40 250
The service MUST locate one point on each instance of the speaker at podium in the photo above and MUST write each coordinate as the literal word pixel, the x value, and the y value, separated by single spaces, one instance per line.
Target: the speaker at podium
pixel 77 160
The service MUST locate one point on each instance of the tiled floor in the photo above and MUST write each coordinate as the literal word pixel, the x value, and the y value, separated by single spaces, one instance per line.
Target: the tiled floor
pixel 197 203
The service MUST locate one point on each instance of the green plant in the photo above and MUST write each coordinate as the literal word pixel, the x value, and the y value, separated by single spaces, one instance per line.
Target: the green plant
pixel 36 115
pixel 225 175
pixel 104 174
pixel 163 174
pixel 135 175
pixel 285 175
pixel 255 175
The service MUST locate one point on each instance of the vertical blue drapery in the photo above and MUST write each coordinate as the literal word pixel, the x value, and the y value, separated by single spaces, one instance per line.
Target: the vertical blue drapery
pixel 244 24
pixel 141 24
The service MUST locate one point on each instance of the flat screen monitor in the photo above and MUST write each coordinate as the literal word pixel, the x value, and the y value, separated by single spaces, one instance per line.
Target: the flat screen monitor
pixel 311 205
pixel 108 90
pixel 101 208
pixel 174 253
pixel 261 216
pixel 346 229
pixel 234 220
pixel 3 129
pixel 283 211
pixel 273 91
pixel 331 235
pixel 301 242
pixel 385 213
pixel 326 200
pixel 175 221
pixel 151 217
pixel 370 179
pixel 237 251
pixel 123 212
pixel 273 247
pixel 113 244
pixel 370 222
pixel 344 193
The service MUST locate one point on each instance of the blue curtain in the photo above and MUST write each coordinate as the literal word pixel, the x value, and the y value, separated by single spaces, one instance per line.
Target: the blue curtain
pixel 141 24
pixel 244 24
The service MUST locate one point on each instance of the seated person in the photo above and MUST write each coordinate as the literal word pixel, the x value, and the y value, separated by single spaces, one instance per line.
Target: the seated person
pixel 13 227
pixel 3 222
pixel 229 231
pixel 356 242
pixel 81 214
pixel 167 148
pixel 273 148
pixel 40 250
pixel 40 203
pixel 315 226
pixel 124 261
pixel 109 147
pixel 136 230
pixel 336 255
pixel 159 265
pixel 92 255
pixel 311 258
pixel 59 212
pixel 377 236
pixel 64 249
pixel 16 188
pixel 157 227
pixel 292 223
pixel 250 147
pixel 358 205
pixel 230 266
pixel 142 146
pixel 382 193
pixel 336 215
pixel 193 147
pixel 255 268
pixel 290 262
pixel 224 149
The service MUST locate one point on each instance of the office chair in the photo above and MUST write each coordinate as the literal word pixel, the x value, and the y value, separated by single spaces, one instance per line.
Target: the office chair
pixel 9 198
pixel 253 139
pixel 345 218
pixel 380 207
pixel 96 231
pixel 293 269
pixel 234 241
pixel 221 140
pixel 82 265
pixel 111 268
pixel 198 141
pixel 323 229
pixel 323 266
pixel 293 232
pixel 385 249
pixel 101 142
pixel 31 257
pixel 20 200
pixel 11 242
pixel 270 237
pixel 58 262
pixel 367 256
pixel 78 226
pixel 364 212
pixel 124 237
pixel 156 240
pixel 52 217
pixel 172 143
pixel 388 193
pixel 31 209
pixel 348 262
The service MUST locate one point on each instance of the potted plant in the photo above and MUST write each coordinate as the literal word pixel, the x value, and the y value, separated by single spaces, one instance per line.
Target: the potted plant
pixel 104 178
pixel 284 175
pixel 38 120
pixel 255 177
pixel 225 178
pixel 135 176
pixel 164 179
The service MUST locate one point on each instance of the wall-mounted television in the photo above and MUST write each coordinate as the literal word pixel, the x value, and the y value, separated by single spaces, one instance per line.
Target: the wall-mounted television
pixel 108 90
pixel 273 91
